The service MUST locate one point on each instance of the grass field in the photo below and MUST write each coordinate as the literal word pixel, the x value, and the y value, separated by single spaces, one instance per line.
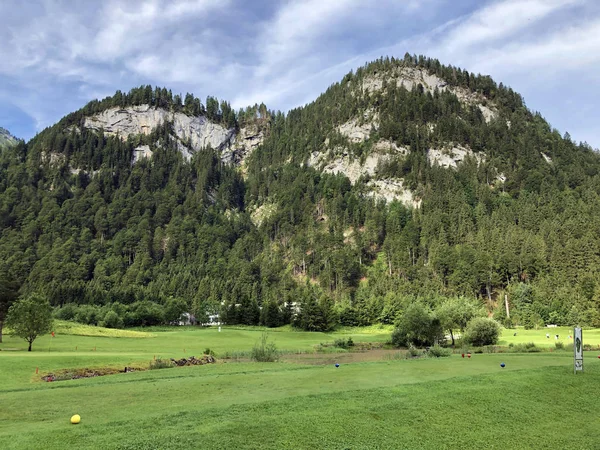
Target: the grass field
pixel 391 403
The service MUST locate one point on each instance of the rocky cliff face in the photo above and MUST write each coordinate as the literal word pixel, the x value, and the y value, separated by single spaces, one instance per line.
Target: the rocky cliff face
pixel 192 133
pixel 6 138
pixel 410 77
pixel 359 132
pixel 248 138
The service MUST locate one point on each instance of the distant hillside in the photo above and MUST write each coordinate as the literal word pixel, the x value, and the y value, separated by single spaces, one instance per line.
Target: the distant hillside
pixel 6 138
pixel 407 180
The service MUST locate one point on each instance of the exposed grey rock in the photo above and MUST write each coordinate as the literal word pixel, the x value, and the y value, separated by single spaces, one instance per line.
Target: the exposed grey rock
pixel 410 77
pixel 244 143
pixel 546 158
pixel 6 138
pixel 452 156
pixel 392 189
pixel 192 133
pixel 143 151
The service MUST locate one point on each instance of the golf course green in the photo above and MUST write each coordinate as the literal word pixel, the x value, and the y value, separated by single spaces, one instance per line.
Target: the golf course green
pixel 453 402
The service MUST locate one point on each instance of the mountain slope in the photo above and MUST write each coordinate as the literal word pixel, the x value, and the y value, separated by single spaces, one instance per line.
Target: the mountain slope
pixel 6 138
pixel 406 180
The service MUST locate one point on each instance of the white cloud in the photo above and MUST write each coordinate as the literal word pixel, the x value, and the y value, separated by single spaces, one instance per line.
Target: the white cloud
pixel 61 53
pixel 570 48
pixel 131 28
pixel 500 20
pixel 304 47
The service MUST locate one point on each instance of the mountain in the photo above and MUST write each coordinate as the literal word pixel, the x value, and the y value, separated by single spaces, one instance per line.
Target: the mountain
pixel 406 181
pixel 6 138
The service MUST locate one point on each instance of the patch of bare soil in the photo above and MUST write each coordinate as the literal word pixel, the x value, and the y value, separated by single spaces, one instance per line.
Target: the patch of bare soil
pixel 345 357
pixel 193 361
pixel 75 374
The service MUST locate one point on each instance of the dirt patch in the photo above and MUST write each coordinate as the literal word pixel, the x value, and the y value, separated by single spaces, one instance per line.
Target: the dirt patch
pixel 193 361
pixel 344 357
pixel 76 374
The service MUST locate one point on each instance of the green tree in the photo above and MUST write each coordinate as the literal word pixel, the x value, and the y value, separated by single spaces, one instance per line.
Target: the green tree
pixel 8 294
pixel 482 331
pixel 112 320
pixel 30 317
pixel 174 308
pixel 456 312
pixel 416 326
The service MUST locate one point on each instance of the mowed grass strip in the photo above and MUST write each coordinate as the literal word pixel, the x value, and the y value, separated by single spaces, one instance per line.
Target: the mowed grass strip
pixel 591 336
pixel 446 403
pixel 173 341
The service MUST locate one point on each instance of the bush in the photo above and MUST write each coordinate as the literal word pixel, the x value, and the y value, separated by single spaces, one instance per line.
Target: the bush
pixel 265 351
pixel 343 343
pixel 173 310
pixel 88 314
pixel 413 352
pixel 112 320
pixel 439 352
pixel 417 326
pixel 482 331
pixel 208 351
pixel 160 364
pixel 528 347
pixel 67 312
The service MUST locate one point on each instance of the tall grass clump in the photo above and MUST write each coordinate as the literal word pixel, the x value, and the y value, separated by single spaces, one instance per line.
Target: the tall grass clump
pixel 528 347
pixel 439 352
pixel 160 364
pixel 413 352
pixel 265 350
pixel 343 343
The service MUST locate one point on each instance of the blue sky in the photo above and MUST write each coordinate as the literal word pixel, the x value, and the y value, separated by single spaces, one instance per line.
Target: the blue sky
pixel 57 55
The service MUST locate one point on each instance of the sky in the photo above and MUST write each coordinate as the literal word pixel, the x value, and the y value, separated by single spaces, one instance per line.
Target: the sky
pixel 56 55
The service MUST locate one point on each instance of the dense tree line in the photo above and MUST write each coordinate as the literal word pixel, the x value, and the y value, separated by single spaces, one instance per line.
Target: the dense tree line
pixel 119 244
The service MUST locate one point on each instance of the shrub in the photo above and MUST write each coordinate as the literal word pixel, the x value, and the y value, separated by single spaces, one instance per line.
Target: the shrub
pixel 528 347
pixel 160 364
pixel 173 310
pixel 439 352
pixel 482 331
pixel 417 326
pixel 413 352
pixel 265 351
pixel 208 351
pixel 343 343
pixel 112 320
pixel 88 314
pixel 67 312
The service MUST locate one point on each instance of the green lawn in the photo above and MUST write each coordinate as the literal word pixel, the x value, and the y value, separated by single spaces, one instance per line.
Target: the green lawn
pixel 427 403
pixel 590 336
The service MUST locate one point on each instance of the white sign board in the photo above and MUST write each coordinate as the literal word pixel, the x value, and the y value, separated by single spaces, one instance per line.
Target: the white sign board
pixel 578 349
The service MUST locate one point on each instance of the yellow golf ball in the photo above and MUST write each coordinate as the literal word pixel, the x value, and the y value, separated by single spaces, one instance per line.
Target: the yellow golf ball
pixel 75 419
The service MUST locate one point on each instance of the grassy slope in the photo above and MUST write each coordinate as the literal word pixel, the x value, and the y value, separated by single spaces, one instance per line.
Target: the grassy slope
pixel 453 402
pixel 446 403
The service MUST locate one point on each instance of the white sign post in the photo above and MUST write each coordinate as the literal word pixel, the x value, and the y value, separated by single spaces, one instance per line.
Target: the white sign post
pixel 578 350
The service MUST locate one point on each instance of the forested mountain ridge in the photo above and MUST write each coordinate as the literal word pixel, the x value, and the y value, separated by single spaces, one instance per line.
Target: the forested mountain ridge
pixel 408 180
pixel 6 138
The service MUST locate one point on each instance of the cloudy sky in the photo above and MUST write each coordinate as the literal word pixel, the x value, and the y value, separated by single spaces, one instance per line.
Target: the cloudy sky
pixel 55 55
